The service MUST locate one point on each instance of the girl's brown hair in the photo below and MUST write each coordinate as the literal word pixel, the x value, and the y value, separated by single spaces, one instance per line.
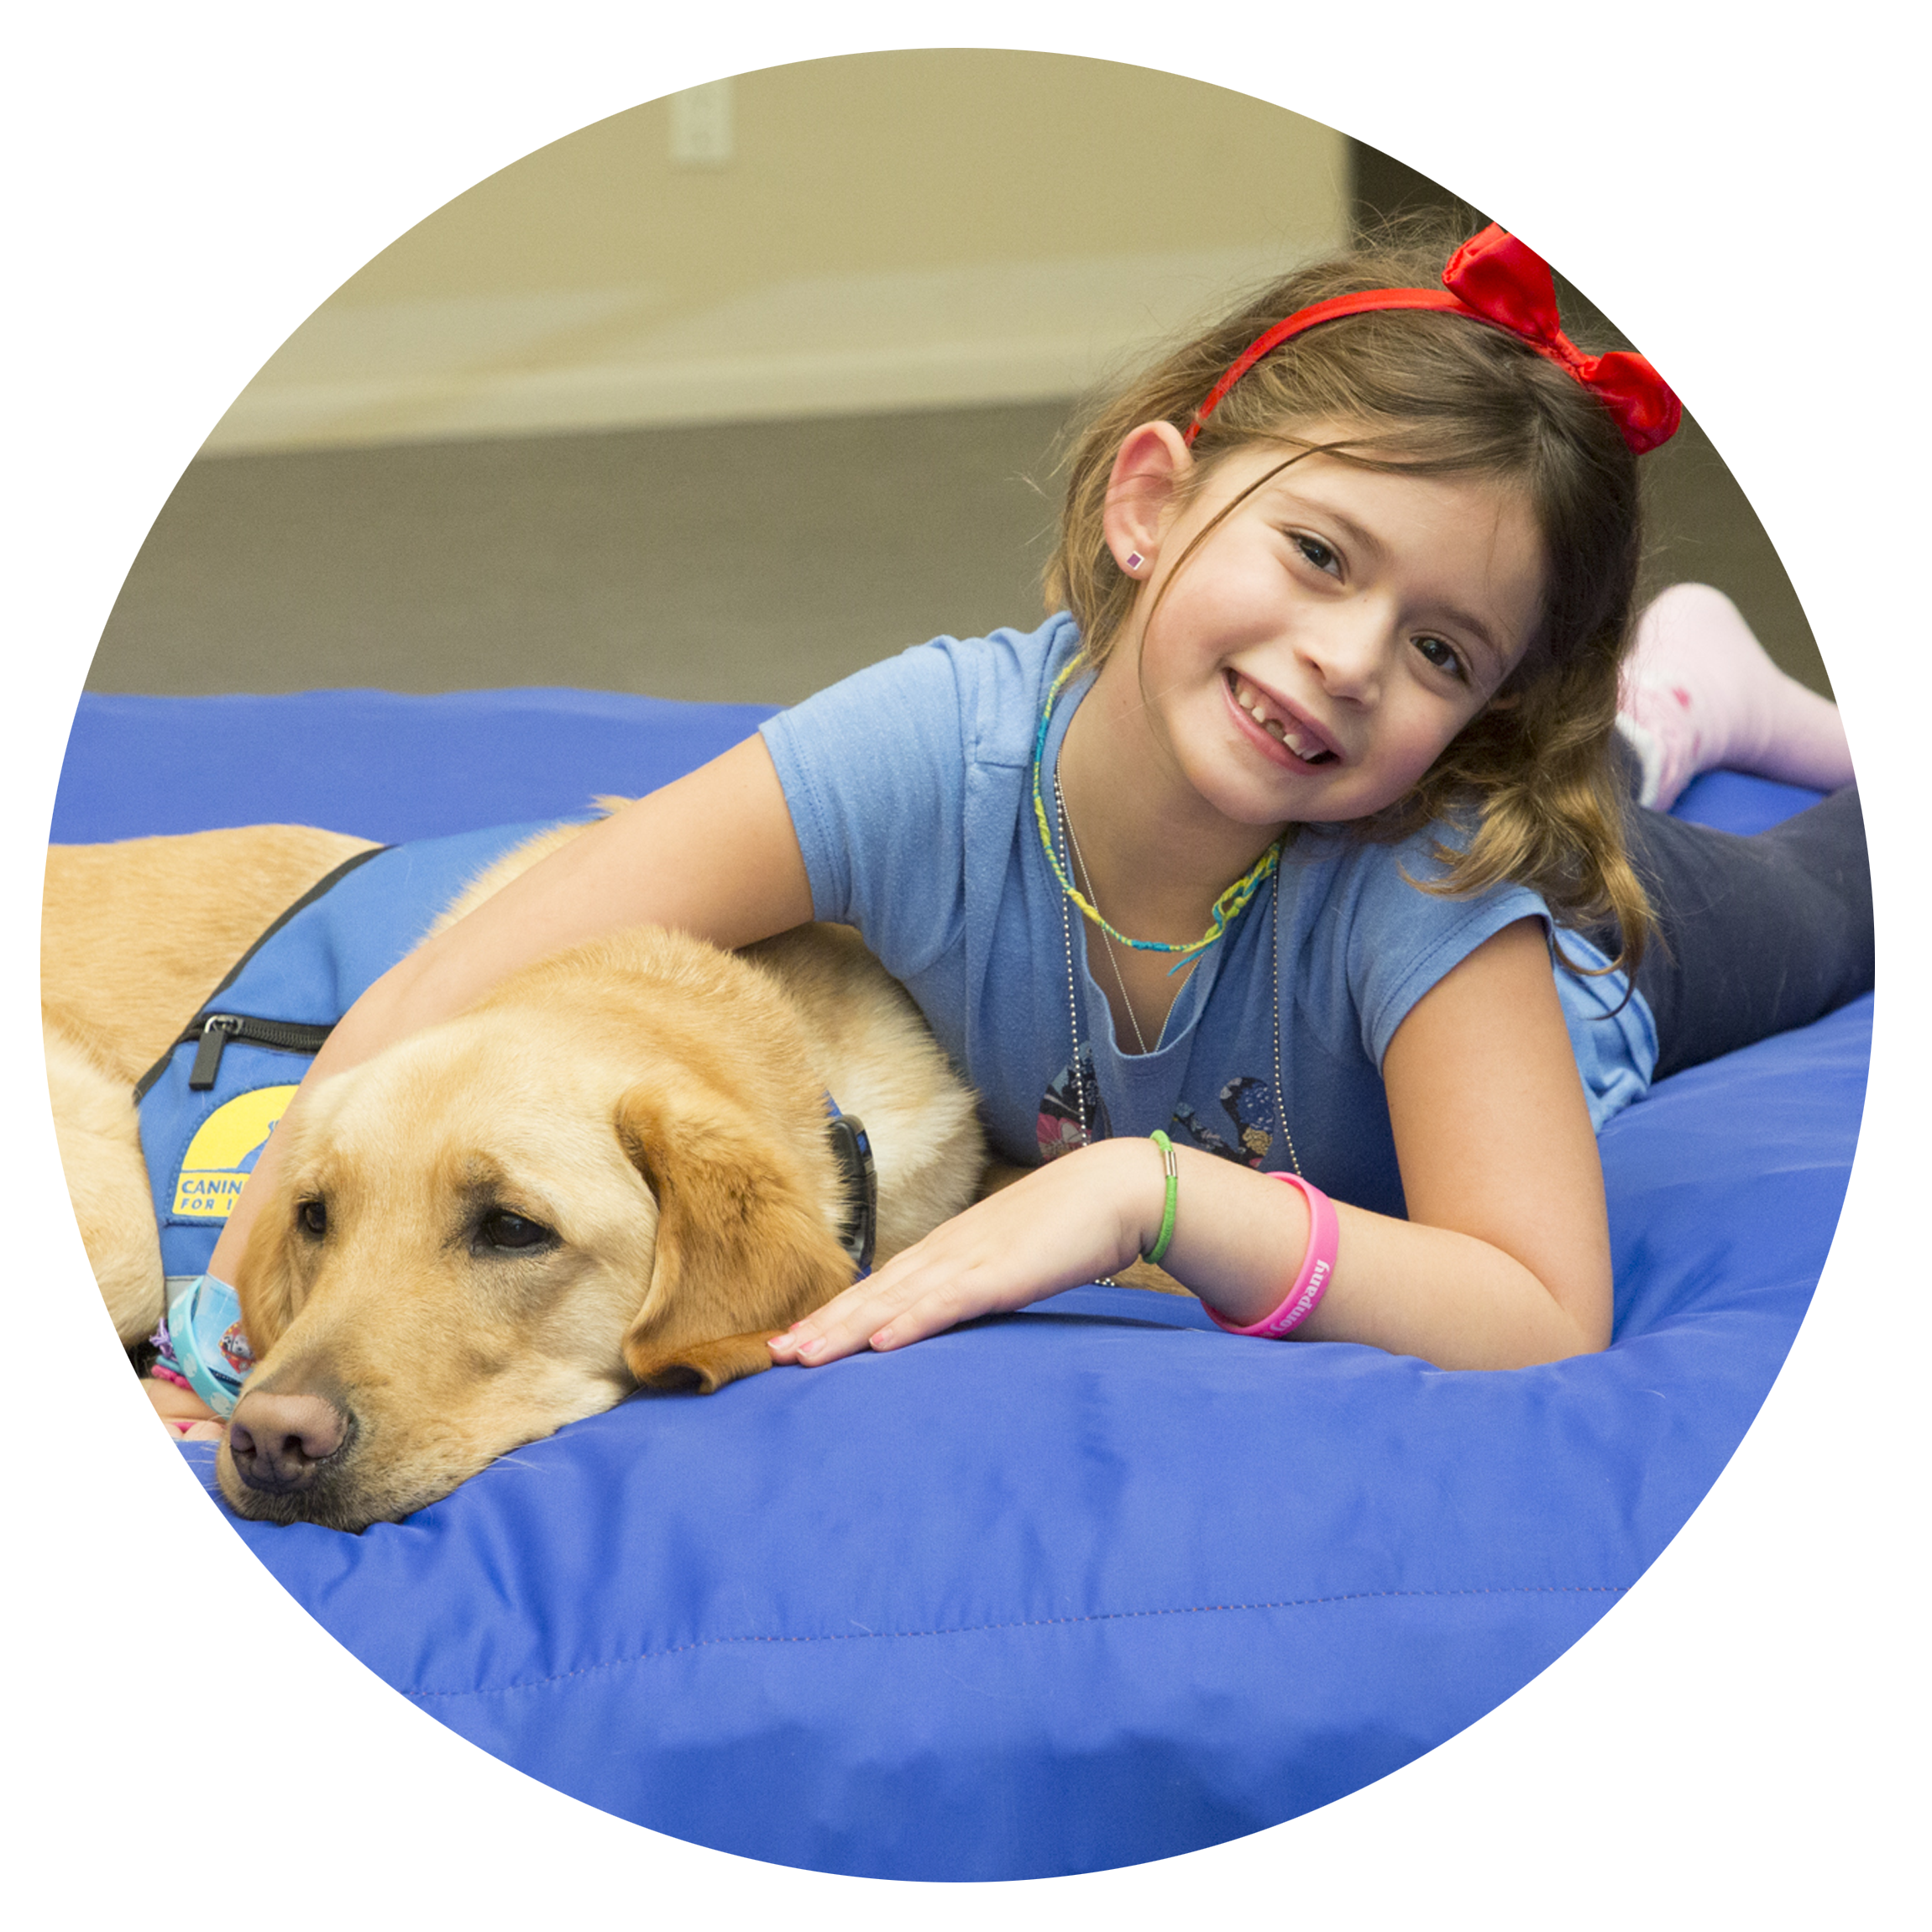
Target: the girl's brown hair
pixel 1531 781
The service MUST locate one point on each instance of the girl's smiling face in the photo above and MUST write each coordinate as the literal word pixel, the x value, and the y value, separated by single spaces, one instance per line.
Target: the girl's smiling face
pixel 1315 654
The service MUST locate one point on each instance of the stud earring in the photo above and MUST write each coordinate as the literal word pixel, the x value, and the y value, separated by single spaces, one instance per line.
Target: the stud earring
pixel 1134 560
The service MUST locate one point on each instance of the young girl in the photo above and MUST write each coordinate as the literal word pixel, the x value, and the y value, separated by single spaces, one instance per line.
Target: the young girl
pixel 1281 896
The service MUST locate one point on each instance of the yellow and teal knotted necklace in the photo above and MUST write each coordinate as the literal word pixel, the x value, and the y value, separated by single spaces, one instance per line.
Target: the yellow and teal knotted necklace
pixel 1226 908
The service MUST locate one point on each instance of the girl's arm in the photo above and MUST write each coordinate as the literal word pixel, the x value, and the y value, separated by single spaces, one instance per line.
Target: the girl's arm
pixel 1505 1259
pixel 714 853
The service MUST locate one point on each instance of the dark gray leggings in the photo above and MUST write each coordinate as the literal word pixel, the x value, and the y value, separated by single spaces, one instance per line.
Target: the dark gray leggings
pixel 1755 935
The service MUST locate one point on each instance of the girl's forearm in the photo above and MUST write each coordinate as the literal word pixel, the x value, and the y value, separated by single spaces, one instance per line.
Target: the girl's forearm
pixel 1447 1297
pixel 713 853
pixel 1238 1241
pixel 534 916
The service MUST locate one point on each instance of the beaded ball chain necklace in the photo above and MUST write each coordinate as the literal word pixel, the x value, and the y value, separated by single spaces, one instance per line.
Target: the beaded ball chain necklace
pixel 1226 908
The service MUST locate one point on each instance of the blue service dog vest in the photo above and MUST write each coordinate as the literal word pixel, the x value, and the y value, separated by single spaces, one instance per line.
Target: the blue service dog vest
pixel 208 1104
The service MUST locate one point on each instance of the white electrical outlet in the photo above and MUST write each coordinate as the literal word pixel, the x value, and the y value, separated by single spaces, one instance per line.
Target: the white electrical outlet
pixel 701 126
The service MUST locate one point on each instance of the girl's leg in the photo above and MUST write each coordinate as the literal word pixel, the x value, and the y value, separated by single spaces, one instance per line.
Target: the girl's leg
pixel 1754 935
pixel 1699 692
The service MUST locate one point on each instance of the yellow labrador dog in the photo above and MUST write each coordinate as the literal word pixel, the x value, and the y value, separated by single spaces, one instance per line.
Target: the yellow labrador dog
pixel 614 1170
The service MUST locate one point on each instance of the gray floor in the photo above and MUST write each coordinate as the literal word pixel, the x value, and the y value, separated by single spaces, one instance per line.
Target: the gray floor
pixel 744 562
pixel 1718 203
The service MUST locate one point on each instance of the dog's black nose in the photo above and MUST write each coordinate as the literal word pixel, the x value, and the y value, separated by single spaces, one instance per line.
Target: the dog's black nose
pixel 278 1441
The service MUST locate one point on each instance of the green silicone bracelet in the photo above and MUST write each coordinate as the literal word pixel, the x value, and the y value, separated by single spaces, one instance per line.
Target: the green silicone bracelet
pixel 1166 1147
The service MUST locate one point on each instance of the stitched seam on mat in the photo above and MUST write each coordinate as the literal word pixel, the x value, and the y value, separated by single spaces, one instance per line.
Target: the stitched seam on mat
pixel 1017 1623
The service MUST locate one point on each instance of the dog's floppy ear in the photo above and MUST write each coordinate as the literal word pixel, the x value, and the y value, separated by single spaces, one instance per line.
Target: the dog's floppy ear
pixel 742 1251
pixel 701 1368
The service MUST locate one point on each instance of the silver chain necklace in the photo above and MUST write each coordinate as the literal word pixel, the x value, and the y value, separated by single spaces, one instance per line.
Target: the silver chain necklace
pixel 1068 854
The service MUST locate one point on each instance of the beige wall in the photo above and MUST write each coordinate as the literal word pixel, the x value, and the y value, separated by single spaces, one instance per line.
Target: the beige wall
pixel 892 230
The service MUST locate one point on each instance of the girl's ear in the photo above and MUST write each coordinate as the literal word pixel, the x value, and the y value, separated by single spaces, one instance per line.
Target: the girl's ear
pixel 1142 494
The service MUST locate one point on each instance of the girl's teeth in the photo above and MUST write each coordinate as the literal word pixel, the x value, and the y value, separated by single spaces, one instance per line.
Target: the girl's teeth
pixel 1301 746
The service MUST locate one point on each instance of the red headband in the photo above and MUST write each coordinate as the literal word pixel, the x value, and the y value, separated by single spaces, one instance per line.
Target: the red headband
pixel 1493 277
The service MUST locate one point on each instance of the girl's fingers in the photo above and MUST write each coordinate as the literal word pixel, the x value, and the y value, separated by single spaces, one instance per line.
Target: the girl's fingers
pixel 188 1429
pixel 848 1322
pixel 907 1300
pixel 949 1278
pixel 1061 1225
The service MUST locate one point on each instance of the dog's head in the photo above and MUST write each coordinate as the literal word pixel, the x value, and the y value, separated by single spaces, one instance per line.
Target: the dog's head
pixel 612 1172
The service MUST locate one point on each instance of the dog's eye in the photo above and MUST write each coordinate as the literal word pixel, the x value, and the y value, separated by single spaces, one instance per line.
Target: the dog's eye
pixel 504 1230
pixel 313 1216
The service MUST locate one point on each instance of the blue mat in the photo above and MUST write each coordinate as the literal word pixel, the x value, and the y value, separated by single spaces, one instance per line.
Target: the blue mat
pixel 379 764
pixel 1075 1588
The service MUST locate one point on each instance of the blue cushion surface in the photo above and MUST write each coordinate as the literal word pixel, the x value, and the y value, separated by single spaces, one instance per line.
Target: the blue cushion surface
pixel 1075 1587
pixel 383 765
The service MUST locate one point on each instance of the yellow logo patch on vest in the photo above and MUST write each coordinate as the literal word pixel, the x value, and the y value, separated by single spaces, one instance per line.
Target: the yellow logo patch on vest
pixel 212 1176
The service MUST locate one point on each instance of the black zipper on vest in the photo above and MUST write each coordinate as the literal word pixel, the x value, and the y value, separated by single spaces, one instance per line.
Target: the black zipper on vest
pixel 214 1030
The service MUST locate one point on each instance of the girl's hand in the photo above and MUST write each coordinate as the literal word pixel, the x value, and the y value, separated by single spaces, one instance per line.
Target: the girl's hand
pixel 188 1418
pixel 1087 1214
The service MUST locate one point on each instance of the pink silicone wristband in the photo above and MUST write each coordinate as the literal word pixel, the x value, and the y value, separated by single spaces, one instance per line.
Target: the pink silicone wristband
pixel 1318 1268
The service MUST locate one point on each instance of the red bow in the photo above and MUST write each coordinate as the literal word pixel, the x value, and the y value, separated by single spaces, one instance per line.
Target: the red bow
pixel 1506 282
pixel 1493 277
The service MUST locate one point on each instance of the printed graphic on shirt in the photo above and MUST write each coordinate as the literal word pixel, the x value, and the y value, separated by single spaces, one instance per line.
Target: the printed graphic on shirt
pixel 1250 1106
pixel 1248 1101
pixel 1063 1106
pixel 221 1155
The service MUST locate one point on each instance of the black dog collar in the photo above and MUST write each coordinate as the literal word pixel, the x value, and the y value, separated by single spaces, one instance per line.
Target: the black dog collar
pixel 858 1232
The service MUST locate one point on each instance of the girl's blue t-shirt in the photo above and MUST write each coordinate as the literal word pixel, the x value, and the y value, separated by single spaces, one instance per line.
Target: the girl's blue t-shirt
pixel 910 789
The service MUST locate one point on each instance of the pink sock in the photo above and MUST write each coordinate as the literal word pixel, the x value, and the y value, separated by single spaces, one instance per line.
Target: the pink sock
pixel 1698 691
